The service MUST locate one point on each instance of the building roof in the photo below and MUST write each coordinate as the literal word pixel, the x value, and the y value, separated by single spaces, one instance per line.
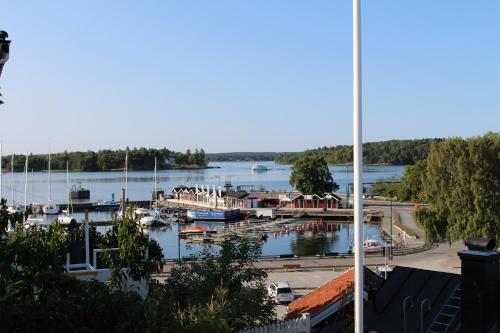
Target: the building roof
pixel 236 194
pixel 384 311
pixel 326 195
pixel 323 296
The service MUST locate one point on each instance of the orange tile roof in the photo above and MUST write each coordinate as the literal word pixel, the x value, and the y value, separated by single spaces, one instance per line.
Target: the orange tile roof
pixel 326 294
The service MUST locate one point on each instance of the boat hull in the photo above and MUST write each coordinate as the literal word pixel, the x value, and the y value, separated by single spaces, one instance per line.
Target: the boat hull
pixel 50 209
pixel 213 215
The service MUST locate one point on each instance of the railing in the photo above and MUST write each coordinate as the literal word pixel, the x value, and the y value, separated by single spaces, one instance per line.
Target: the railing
pixel 300 325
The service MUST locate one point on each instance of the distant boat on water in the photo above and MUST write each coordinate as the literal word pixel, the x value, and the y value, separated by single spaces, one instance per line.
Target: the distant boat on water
pixel 106 205
pixel 259 168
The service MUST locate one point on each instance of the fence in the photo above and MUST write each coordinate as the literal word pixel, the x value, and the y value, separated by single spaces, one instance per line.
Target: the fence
pixel 300 325
pixel 402 230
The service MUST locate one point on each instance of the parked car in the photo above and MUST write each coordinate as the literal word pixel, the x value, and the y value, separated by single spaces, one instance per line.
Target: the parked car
pixel 281 292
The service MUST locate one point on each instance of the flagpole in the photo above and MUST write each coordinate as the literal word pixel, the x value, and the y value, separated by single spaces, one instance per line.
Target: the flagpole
pixel 358 170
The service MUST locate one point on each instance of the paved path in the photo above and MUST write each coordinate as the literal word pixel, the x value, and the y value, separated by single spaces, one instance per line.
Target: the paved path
pixel 442 258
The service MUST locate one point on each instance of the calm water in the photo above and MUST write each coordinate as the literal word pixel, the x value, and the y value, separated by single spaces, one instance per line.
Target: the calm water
pixel 103 184
pixel 140 183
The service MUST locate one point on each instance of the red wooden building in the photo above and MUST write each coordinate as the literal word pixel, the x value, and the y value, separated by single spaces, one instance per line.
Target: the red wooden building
pixel 299 200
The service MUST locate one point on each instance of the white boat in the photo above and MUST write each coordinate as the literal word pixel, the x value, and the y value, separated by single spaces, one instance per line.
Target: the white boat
pixel 16 209
pixel 13 208
pixel 372 246
pixel 141 211
pixel 152 215
pixel 50 208
pixel 259 168
pixel 66 218
pixel 120 208
pixel 34 221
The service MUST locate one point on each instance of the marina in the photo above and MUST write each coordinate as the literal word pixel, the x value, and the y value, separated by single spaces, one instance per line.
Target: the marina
pixel 281 230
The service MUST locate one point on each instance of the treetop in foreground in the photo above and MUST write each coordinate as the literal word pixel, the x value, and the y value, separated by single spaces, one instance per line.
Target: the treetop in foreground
pixel 462 184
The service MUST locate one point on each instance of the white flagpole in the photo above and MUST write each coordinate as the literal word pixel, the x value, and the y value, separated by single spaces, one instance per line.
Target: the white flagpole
pixel 358 169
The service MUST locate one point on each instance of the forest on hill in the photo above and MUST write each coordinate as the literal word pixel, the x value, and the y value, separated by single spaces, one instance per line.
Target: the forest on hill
pixel 242 156
pixel 108 160
pixel 395 152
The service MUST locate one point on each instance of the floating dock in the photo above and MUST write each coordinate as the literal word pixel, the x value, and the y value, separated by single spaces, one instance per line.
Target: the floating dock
pixel 213 215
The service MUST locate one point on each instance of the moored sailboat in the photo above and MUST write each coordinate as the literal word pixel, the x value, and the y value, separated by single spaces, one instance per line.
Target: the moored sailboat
pixel 50 208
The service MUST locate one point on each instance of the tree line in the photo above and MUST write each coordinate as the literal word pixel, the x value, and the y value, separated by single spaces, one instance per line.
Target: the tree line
pixel 242 156
pixel 460 179
pixel 108 160
pixel 395 152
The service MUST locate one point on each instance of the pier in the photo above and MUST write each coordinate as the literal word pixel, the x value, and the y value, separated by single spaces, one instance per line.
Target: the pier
pixel 372 215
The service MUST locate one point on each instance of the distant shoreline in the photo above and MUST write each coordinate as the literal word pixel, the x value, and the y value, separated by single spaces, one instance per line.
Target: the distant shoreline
pixel 185 167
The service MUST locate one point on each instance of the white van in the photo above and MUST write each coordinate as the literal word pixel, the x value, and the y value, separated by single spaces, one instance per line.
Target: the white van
pixel 281 292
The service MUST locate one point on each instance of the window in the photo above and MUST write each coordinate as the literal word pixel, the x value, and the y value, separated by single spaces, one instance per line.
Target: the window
pixel 315 203
pixel 284 291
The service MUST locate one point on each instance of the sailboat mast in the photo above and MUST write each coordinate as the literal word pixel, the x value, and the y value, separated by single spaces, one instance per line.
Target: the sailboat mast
pixel 154 185
pixel 126 175
pixel 70 200
pixel 50 189
pixel 26 182
pixel 31 187
pixel 12 180
pixel 67 181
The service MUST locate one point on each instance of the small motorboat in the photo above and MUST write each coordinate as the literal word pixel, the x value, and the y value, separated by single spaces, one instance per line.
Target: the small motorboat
pixel 106 205
pixel 150 217
pixel 195 231
pixel 259 168
pixel 372 246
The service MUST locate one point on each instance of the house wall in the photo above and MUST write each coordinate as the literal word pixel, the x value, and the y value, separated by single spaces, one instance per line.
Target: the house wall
pixel 310 203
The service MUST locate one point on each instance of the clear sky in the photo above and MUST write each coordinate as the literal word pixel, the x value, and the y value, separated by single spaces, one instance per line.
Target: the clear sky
pixel 240 75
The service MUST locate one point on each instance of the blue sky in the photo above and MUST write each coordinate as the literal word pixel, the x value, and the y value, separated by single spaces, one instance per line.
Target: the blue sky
pixel 244 75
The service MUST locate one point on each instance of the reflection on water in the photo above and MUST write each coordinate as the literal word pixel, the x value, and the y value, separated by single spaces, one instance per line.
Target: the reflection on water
pixel 301 243
pixel 312 243
pixel 298 243
pixel 320 242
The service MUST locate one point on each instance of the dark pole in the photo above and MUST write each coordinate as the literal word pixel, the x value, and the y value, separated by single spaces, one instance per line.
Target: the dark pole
pixel 178 242
pixel 391 228
pixel 123 204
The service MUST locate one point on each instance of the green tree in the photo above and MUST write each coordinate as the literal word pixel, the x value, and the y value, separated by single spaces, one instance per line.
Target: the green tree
pixel 462 183
pixel 412 182
pixel 385 187
pixel 311 175
pixel 36 294
pixel 140 255
pixel 233 269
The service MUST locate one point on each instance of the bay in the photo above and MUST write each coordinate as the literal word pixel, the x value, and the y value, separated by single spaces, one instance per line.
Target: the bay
pixel 140 185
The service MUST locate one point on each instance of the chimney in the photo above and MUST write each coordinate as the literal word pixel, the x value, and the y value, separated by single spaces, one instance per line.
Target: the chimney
pixel 480 282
